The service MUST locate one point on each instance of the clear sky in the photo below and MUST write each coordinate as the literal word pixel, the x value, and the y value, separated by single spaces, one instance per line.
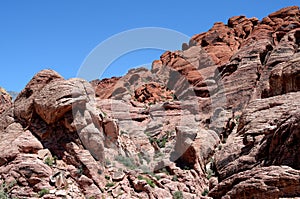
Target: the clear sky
pixel 60 34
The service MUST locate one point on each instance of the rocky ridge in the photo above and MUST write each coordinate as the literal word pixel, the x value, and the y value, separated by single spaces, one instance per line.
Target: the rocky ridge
pixel 219 118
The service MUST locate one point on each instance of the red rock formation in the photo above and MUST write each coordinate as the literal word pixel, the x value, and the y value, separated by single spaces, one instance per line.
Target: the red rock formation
pixel 56 115
pixel 5 100
pixel 105 87
pixel 152 93
pixel 231 131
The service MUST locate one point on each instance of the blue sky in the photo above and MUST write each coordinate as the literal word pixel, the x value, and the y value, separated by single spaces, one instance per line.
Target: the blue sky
pixel 60 34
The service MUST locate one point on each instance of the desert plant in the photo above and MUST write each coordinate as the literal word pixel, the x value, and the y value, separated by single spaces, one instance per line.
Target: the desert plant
pixel 123 132
pixel 5 189
pixel 220 147
pixel 157 177
pixel 164 170
pixel 209 173
pixel 148 181
pixel 162 142
pixel 158 154
pixel 50 161
pixel 151 103
pixel 110 184
pixel 43 192
pixel 175 178
pixel 178 195
pixel 186 167
pixel 205 192
pixel 80 170
pixel 126 161
pixel 107 162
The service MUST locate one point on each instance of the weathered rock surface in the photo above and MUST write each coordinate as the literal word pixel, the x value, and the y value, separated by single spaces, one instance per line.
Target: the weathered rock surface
pixel 260 182
pixel 265 130
pixel 219 117
pixel 6 100
pixel 218 76
pixel 59 115
pixel 104 88
pixel 152 93
pixel 23 106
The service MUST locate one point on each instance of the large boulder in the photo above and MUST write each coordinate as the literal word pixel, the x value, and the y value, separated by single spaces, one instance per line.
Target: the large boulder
pixel 23 106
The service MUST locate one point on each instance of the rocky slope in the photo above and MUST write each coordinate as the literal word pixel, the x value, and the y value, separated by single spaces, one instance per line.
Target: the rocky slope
pixel 219 118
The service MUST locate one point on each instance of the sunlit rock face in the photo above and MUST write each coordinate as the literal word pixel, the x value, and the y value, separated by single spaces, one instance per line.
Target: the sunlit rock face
pixel 219 118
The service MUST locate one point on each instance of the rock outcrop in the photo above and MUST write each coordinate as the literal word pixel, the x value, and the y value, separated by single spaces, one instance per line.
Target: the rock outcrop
pixel 6 100
pixel 219 118
pixel 219 76
pixel 54 130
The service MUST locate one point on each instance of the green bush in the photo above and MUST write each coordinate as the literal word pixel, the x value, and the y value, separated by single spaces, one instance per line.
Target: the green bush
pixel 126 161
pixel 157 177
pixel 149 181
pixel 164 170
pixel 209 173
pixel 107 162
pixel 175 178
pixel 5 189
pixel 142 156
pixel 158 154
pixel 50 161
pixel 178 195
pixel 43 192
pixel 205 192
pixel 186 167
pixel 110 184
pixel 80 170
pixel 161 142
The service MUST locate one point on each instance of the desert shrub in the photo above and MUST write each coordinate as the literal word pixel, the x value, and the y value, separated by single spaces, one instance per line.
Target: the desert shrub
pixel 175 178
pixel 209 173
pixel 80 170
pixel 5 189
pixel 110 184
pixel 161 142
pixel 43 192
pixel 107 162
pixel 126 161
pixel 148 181
pixel 50 161
pixel 205 192
pixel 178 195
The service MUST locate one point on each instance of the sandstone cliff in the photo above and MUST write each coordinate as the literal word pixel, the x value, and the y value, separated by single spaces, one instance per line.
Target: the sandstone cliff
pixel 218 119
